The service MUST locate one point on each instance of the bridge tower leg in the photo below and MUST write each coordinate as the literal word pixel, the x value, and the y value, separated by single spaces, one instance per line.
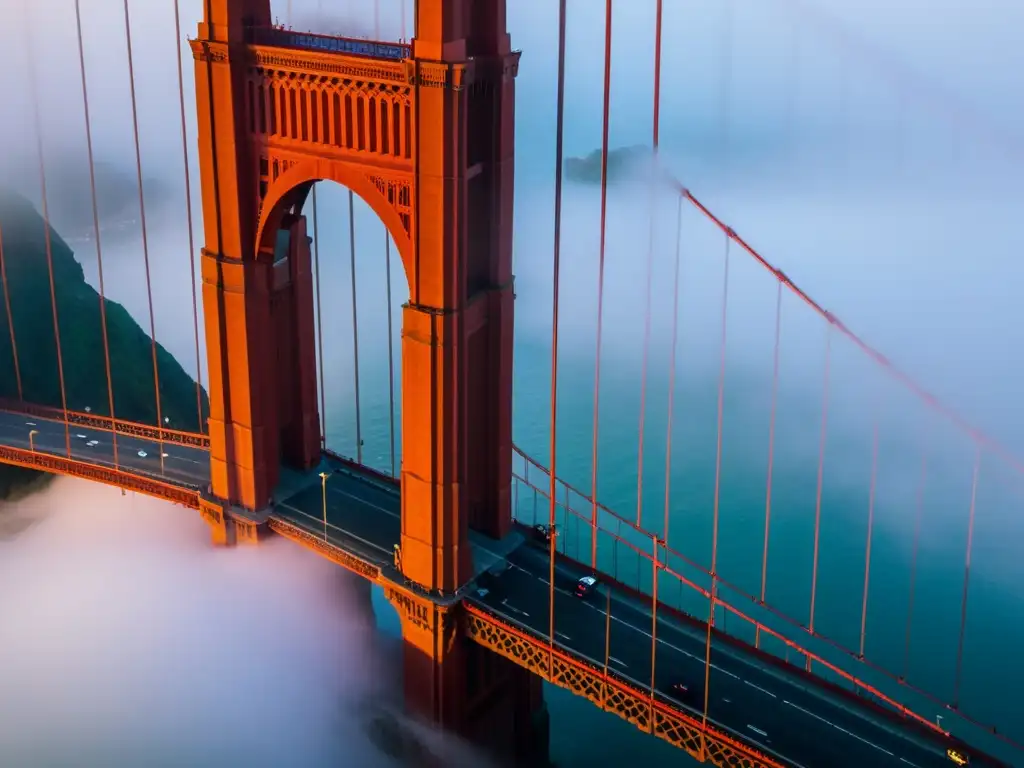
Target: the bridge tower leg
pixel 457 325
pixel 256 305
pixel 455 684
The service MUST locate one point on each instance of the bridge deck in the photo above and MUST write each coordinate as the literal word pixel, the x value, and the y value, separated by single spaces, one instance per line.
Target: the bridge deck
pixel 780 713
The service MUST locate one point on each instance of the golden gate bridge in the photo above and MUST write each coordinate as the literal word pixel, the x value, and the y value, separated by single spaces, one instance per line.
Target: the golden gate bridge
pixel 480 546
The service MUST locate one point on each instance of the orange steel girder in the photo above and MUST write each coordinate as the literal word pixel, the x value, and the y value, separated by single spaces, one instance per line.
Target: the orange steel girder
pixel 428 143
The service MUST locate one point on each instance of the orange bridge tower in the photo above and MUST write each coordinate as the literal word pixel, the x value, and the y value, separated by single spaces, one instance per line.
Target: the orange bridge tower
pixel 424 134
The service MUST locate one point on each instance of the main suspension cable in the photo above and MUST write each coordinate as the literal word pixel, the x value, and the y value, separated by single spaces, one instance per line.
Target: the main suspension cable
pixel 96 230
pixel 672 374
pixel 556 270
pixel 771 454
pixel 821 478
pixel 391 351
pixel 10 317
pixel 188 218
pixel 355 323
pixel 650 269
pixel 718 486
pixel 319 321
pixel 47 238
pixel 967 578
pixel 145 239
pixel 600 279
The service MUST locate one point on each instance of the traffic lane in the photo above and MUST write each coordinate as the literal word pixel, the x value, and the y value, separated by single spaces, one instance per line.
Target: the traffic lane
pixel 749 704
pixel 180 463
pixel 351 509
pixel 581 625
pixel 790 692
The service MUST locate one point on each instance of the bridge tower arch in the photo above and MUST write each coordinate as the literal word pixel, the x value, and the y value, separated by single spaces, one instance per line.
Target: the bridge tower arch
pixel 424 134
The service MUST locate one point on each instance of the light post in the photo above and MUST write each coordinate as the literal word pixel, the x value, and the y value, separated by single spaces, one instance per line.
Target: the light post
pixel 323 491
pixel 31 443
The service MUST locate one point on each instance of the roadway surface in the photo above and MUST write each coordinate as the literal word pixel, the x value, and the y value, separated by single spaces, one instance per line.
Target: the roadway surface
pixel 785 715
pixel 179 464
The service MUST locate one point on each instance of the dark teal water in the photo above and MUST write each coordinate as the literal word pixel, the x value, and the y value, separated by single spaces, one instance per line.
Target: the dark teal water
pixel 906 437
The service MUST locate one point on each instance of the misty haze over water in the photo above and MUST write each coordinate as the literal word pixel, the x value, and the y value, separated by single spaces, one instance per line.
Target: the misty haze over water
pixel 895 208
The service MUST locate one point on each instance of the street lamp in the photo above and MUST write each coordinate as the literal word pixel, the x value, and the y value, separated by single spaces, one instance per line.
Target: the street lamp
pixel 31 444
pixel 323 491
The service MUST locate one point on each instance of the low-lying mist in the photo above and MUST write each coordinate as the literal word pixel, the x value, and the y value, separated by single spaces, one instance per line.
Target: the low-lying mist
pixel 129 640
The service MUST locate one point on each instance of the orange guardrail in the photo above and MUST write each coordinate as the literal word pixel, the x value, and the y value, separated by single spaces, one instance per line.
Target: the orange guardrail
pixel 99 473
pixel 703 742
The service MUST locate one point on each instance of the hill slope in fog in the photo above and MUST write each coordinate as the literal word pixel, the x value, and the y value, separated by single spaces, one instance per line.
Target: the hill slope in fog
pixel 24 253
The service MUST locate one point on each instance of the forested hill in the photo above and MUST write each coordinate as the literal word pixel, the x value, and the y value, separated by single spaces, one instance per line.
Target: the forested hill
pixel 22 231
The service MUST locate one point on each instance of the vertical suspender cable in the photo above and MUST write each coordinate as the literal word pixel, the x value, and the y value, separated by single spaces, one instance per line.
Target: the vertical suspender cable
pixel 188 212
pixel 726 82
pixel 672 374
pixel 718 487
pixel 967 577
pixel 771 455
pixel 391 352
pixel 355 322
pixel 821 477
pixel 319 321
pixel 600 279
pixel 650 268
pixel 871 523
pixel 47 239
pixel 655 563
pixel 96 231
pixel 145 239
pixel 918 514
pixel 556 270
pixel 10 317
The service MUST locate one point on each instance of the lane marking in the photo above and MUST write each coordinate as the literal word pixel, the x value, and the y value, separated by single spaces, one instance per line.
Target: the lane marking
pixel 618 662
pixel 756 730
pixel 762 690
pixel 839 728
pixel 904 760
pixel 505 604
pixel 319 521
pixel 563 635
pixel 683 630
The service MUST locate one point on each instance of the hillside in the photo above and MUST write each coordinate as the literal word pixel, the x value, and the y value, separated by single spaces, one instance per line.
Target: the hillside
pixel 623 162
pixel 78 312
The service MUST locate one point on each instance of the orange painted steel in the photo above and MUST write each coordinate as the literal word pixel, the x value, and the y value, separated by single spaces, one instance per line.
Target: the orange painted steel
pixel 336 555
pixel 424 134
pixel 107 475
pixel 612 694
pixel 105 423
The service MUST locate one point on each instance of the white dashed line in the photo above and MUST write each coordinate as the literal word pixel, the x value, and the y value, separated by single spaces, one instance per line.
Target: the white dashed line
pixel 563 635
pixel 617 662
pixel 756 730
pixel 838 728
pixel 762 690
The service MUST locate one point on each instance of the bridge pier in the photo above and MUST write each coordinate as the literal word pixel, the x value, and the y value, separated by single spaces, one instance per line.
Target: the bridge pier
pixel 461 687
pixel 230 527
